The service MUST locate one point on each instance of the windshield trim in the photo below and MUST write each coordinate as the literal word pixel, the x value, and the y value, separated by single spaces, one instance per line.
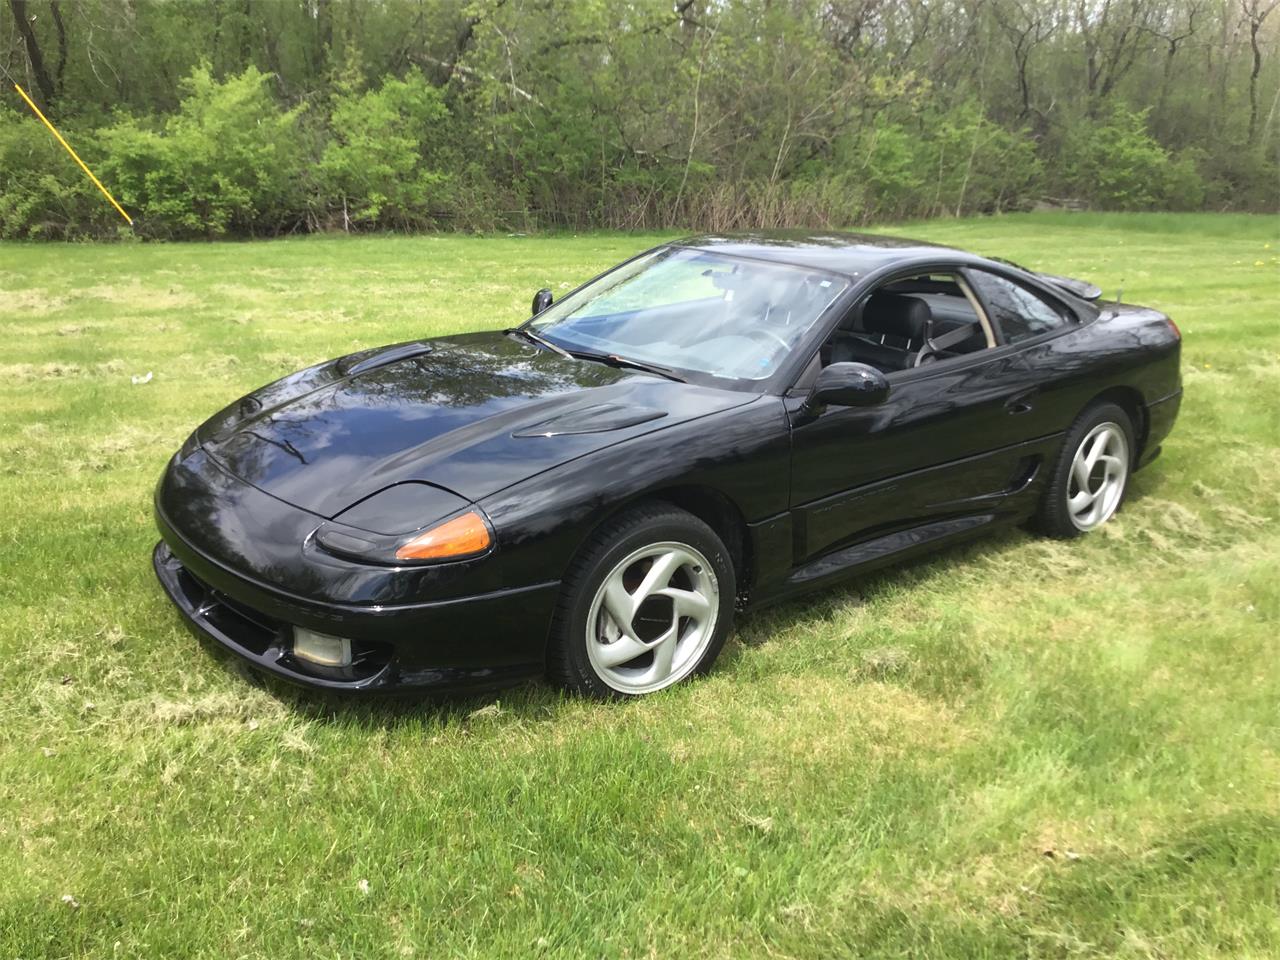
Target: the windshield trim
pixel 777 382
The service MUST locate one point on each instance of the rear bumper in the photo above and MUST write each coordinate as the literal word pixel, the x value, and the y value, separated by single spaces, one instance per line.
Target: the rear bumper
pixel 1161 416
pixel 472 643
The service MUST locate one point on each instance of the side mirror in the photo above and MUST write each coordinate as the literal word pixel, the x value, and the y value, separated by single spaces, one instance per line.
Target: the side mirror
pixel 541 300
pixel 850 385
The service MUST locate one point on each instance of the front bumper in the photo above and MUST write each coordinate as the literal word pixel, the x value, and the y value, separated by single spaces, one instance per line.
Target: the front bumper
pixel 472 643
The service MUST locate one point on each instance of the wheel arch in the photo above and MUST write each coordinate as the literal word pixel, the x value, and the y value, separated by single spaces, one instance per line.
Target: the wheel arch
pixel 1131 402
pixel 714 508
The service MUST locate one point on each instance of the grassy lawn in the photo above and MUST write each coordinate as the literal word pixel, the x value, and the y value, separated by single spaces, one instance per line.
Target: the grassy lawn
pixel 1018 748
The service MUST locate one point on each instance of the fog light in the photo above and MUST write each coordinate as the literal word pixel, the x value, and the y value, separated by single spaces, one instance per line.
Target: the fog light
pixel 321 648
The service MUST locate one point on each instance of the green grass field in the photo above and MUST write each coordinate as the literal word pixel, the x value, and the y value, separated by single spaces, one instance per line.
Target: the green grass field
pixel 1018 748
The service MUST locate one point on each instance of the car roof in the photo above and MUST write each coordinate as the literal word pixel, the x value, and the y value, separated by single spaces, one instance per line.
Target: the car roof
pixel 850 254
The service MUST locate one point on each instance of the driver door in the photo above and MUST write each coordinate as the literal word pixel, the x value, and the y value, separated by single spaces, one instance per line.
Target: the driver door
pixel 947 441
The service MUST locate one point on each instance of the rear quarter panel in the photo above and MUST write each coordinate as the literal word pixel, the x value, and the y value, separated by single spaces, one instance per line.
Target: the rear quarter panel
pixel 1128 352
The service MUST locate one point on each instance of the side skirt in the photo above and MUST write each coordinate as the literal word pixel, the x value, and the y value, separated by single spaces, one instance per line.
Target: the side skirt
pixel 880 552
pixel 1014 477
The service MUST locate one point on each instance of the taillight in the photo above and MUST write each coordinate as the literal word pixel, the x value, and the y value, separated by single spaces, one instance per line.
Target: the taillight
pixel 1174 327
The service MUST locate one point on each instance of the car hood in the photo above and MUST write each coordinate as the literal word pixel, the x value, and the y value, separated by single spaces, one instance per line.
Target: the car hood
pixel 472 414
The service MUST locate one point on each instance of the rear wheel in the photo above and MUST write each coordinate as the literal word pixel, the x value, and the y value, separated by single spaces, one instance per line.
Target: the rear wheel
pixel 648 603
pixel 1090 474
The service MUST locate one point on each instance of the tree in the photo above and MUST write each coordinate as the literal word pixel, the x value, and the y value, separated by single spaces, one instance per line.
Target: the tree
pixel 1256 13
pixel 22 17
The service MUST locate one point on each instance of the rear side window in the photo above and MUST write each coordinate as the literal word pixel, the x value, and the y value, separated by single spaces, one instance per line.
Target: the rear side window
pixel 1019 313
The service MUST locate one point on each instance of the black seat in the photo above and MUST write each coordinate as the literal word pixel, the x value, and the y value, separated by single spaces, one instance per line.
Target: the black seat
pixel 893 329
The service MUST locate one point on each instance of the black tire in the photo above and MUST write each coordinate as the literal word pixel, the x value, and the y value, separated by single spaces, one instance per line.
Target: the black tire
pixel 1053 516
pixel 653 526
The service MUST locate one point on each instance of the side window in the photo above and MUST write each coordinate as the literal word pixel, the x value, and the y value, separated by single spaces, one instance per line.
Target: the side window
pixel 1017 311
pixel 909 322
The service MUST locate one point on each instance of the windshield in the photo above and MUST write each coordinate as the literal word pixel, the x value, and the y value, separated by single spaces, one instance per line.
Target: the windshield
pixel 692 310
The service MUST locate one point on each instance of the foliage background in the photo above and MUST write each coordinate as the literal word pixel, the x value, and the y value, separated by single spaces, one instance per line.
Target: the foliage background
pixel 248 118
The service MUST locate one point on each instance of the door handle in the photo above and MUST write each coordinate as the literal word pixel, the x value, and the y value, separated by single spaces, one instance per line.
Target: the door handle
pixel 1021 403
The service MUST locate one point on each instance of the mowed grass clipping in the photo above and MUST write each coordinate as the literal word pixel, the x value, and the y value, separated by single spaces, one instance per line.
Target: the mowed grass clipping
pixel 1017 748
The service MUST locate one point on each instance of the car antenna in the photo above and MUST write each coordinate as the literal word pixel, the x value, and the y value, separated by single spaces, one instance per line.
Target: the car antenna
pixel 1120 292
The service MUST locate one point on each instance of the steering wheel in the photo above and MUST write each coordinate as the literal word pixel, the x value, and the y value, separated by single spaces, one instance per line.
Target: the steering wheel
pixel 759 333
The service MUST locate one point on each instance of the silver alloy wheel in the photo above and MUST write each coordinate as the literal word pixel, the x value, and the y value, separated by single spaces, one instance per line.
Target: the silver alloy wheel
pixel 1099 472
pixel 653 618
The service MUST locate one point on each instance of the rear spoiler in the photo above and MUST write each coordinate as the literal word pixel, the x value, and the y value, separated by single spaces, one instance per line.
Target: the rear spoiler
pixel 1080 288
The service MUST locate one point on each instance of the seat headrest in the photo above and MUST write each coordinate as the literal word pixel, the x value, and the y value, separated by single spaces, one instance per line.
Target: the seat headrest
pixel 897 315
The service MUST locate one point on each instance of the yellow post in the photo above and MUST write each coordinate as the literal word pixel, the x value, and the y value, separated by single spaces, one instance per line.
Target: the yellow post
pixel 96 182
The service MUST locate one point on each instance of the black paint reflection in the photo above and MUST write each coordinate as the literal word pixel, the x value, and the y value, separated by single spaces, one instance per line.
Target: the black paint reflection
pixel 448 418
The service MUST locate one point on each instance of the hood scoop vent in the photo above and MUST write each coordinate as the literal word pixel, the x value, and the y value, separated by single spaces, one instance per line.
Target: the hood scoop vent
pixel 362 362
pixel 598 418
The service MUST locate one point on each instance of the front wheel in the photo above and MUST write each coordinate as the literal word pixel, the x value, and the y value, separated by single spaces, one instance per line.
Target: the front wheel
pixel 648 603
pixel 1090 474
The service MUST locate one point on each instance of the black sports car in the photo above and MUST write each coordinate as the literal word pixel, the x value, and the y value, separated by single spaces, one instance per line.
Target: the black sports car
pixel 714 424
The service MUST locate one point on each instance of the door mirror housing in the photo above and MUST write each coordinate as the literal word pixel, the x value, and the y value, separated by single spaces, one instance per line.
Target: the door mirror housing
pixel 849 385
pixel 541 300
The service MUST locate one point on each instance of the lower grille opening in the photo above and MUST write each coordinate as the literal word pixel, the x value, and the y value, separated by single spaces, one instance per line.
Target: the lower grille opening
pixel 268 639
pixel 247 628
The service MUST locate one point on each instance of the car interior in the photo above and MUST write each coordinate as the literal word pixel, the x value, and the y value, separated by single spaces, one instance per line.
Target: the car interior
pixel 910 322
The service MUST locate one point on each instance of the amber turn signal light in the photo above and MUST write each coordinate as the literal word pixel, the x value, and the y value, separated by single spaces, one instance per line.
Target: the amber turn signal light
pixel 460 537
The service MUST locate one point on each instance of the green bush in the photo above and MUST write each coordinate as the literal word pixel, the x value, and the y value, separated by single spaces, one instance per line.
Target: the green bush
pixel 948 161
pixel 377 165
pixel 892 169
pixel 980 166
pixel 1241 180
pixel 1115 164
pixel 43 193
pixel 229 161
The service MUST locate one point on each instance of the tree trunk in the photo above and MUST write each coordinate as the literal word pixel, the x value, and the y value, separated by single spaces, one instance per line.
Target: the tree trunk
pixel 22 20
pixel 1253 80
pixel 56 10
pixel 1257 14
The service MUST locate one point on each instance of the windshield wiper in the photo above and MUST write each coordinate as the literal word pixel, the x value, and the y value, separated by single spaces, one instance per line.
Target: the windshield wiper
pixel 609 359
pixel 613 360
pixel 539 340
